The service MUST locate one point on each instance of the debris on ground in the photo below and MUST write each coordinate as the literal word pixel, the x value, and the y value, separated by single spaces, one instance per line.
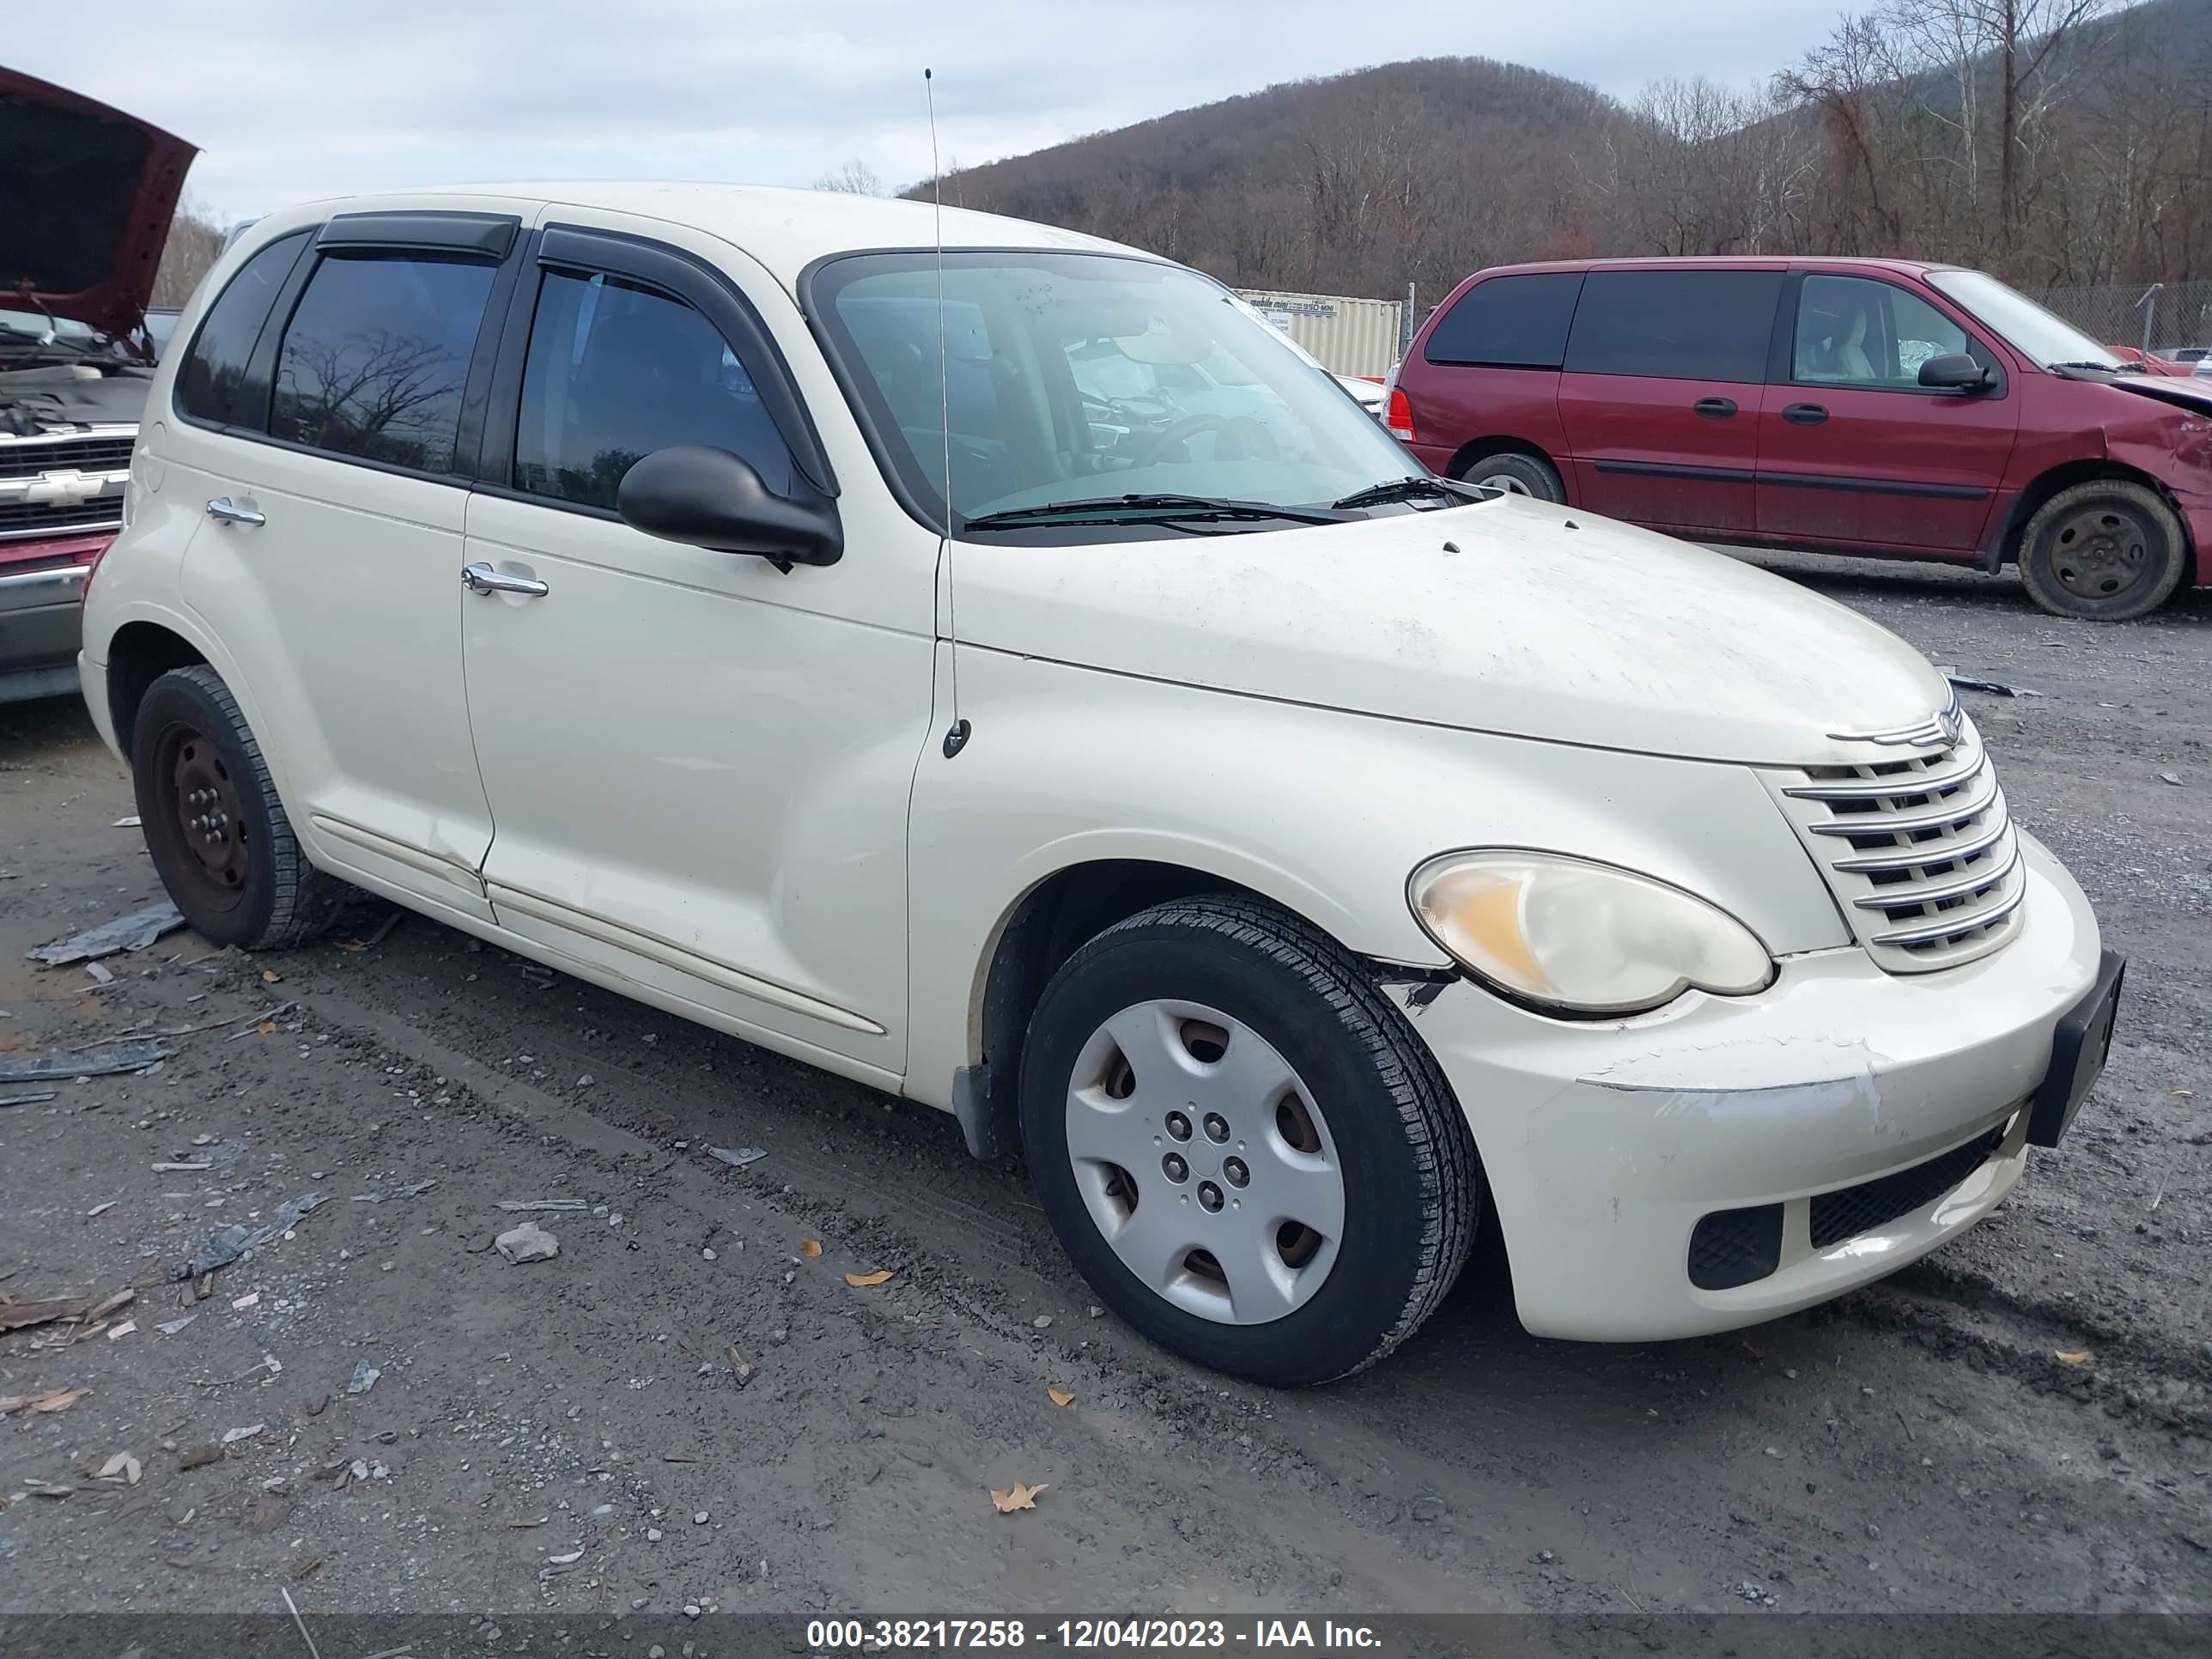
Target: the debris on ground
pixel 171 1326
pixel 528 1242
pixel 1994 688
pixel 866 1281
pixel 73 1311
pixel 518 1205
pixel 2173 778
pixel 414 1189
pixel 1059 1397
pixel 132 932
pixel 738 1157
pixel 364 1378
pixel 124 1466
pixel 99 973
pixel 226 1245
pixel 232 1436
pixel 105 1062
pixel 1019 1498
pixel 37 1099
pixel 199 1456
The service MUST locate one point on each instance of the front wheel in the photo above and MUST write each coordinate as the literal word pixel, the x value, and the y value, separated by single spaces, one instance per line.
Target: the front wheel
pixel 2108 551
pixel 1241 1145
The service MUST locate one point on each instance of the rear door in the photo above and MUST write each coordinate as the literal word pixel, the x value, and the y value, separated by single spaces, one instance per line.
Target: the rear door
pixel 1661 394
pixel 328 557
pixel 1853 450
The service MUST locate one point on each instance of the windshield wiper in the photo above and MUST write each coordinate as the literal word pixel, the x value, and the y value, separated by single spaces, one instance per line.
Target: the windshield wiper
pixel 2104 368
pixel 1143 509
pixel 1399 490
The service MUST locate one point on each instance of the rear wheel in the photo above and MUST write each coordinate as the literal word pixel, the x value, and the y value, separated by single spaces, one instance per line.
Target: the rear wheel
pixel 1241 1145
pixel 1516 475
pixel 2108 551
pixel 216 831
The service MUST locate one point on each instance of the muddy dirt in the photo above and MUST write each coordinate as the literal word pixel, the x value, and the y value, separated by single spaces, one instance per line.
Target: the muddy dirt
pixel 688 1407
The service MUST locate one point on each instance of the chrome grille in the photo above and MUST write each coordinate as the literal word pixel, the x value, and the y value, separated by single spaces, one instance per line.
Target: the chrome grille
pixel 63 482
pixel 1919 849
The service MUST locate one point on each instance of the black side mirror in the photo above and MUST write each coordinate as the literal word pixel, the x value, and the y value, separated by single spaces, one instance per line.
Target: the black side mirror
pixel 1953 371
pixel 710 498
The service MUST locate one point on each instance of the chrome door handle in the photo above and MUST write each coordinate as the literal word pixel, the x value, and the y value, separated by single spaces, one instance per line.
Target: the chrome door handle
pixel 223 510
pixel 483 579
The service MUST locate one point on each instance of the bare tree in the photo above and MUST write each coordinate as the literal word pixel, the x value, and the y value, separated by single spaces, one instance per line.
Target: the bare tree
pixel 195 243
pixel 854 178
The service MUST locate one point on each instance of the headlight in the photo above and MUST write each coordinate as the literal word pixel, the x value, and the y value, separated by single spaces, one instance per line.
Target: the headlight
pixel 1574 936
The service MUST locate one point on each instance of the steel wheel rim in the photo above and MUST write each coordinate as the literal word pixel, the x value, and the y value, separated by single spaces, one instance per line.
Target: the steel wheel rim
pixel 204 817
pixel 1509 483
pixel 2098 553
pixel 1205 1163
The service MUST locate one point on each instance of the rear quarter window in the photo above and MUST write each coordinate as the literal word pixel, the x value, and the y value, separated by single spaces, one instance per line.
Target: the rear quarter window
pixel 208 384
pixel 1508 322
pixel 1675 325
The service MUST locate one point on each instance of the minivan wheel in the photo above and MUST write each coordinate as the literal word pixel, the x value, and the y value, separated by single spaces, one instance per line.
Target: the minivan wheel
pixel 1240 1144
pixel 218 835
pixel 1516 475
pixel 2107 550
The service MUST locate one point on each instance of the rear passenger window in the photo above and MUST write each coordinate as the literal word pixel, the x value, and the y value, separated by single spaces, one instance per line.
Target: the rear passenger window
pixel 207 385
pixel 1508 322
pixel 376 356
pixel 616 372
pixel 1675 325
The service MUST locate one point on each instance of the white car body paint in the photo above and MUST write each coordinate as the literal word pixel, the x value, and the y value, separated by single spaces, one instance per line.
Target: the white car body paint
pixel 1308 713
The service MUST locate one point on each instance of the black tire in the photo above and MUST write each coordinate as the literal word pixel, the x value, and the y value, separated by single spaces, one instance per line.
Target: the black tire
pixel 2107 550
pixel 1518 474
pixel 1412 1189
pixel 218 835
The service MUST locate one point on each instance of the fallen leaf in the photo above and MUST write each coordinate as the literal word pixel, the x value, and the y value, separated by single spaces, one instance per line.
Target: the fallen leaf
pixel 270 976
pixel 862 1281
pixel 1021 1498
pixel 811 1248
pixel 1059 1397
pixel 2073 1356
pixel 60 1400
pixel 351 945
pixel 267 1028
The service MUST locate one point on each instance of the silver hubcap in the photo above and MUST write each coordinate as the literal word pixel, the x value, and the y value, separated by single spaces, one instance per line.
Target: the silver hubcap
pixel 1204 1162
pixel 1505 481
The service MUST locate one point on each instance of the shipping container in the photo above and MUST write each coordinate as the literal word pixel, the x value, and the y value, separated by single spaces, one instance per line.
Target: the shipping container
pixel 1350 337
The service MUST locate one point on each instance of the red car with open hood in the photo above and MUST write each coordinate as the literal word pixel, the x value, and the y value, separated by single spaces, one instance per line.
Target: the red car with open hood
pixel 87 194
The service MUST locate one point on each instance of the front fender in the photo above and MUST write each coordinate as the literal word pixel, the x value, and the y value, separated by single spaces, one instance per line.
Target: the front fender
pixel 1323 812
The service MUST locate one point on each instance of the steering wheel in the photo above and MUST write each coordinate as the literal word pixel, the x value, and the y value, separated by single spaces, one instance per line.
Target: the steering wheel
pixel 1251 436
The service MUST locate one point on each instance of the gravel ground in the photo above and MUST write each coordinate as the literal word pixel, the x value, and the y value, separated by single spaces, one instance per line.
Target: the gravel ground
pixel 691 1407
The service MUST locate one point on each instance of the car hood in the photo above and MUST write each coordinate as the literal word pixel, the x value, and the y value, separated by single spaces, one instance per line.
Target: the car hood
pixel 90 192
pixel 2186 391
pixel 1513 616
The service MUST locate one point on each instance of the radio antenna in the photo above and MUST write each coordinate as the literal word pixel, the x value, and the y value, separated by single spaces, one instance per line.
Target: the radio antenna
pixel 956 735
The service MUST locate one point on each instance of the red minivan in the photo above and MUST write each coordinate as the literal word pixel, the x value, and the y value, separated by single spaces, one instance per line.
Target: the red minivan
pixel 1855 405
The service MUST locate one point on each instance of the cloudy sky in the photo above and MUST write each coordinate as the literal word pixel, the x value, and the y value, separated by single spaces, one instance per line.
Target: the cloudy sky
pixel 294 99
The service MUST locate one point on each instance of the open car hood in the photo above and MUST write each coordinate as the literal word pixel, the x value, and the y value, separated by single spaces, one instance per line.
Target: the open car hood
pixel 2194 393
pixel 89 193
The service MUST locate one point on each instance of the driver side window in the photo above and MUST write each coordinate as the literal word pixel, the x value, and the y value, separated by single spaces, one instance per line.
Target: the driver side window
pixel 616 371
pixel 1852 330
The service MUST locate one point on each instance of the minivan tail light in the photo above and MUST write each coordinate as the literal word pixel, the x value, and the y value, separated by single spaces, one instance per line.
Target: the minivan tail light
pixel 1400 417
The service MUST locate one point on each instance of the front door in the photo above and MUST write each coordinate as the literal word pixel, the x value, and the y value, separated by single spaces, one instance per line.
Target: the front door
pixel 1853 450
pixel 698 764
pixel 1660 395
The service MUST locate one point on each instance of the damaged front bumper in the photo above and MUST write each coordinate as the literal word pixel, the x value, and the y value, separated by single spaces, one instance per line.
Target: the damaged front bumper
pixel 1825 1101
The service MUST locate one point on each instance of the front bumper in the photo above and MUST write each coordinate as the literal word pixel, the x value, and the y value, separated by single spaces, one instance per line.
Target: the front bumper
pixel 1607 1142
pixel 41 623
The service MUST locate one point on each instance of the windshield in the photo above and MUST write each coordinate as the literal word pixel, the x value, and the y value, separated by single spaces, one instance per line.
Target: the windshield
pixel 1079 377
pixel 2025 326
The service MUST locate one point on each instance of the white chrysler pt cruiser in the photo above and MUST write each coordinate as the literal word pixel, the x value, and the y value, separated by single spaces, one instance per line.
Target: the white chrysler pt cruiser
pixel 1001 670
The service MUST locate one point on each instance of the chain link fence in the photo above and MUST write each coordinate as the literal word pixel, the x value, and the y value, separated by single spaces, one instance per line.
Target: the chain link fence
pixel 2166 318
